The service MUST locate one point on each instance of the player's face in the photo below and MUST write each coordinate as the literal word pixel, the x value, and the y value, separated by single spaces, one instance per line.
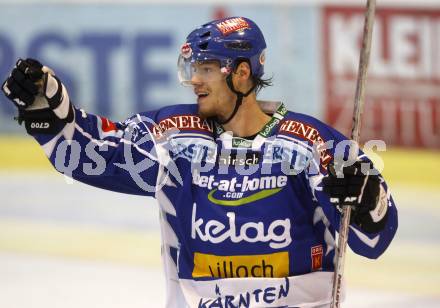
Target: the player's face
pixel 213 94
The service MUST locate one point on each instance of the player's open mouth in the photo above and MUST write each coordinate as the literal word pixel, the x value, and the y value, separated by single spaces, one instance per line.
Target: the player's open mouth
pixel 201 96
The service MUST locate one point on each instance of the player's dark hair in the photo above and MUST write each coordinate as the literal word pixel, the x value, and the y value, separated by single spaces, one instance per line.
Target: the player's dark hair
pixel 260 83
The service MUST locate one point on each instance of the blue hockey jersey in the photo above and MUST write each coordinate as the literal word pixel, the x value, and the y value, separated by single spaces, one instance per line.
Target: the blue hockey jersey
pixel 244 223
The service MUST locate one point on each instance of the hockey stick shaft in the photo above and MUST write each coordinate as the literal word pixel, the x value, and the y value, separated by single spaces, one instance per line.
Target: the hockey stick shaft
pixel 355 134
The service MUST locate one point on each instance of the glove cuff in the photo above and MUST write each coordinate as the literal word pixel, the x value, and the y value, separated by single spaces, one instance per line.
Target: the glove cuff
pixel 56 95
pixel 375 220
pixel 44 121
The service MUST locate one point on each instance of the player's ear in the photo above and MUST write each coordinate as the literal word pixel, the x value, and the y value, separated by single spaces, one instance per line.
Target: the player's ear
pixel 243 70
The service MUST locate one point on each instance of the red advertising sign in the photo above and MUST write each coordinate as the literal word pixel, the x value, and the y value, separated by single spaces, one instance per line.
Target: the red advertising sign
pixel 403 87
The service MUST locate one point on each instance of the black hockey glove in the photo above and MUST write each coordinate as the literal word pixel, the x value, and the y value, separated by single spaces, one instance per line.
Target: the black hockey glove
pixel 42 100
pixel 355 186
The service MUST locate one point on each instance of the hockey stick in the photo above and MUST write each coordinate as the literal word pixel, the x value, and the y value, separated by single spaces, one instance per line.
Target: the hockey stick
pixel 355 133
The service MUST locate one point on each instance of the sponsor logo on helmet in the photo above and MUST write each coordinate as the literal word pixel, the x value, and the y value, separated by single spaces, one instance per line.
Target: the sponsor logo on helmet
pixel 228 26
pixel 226 70
pixel 186 51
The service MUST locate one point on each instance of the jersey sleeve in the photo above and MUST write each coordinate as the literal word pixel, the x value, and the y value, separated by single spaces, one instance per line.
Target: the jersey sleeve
pixel 370 245
pixel 120 157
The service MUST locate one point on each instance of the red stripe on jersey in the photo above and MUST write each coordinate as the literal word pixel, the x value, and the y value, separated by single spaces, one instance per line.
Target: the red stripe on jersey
pixel 107 125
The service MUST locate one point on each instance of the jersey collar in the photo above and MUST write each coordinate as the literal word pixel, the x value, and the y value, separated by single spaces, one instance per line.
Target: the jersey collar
pixel 278 111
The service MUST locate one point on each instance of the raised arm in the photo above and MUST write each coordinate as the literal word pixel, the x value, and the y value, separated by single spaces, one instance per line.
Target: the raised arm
pixel 116 156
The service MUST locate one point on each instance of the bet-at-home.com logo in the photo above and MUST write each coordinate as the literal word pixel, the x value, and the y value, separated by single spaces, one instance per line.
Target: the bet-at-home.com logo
pixel 235 192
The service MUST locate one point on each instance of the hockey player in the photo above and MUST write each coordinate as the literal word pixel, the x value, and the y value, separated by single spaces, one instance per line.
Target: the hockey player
pixel 249 193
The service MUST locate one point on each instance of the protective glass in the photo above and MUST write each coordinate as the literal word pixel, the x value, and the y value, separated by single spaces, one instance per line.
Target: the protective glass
pixel 190 72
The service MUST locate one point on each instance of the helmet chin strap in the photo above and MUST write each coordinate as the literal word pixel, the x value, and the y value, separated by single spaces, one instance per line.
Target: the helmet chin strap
pixel 238 101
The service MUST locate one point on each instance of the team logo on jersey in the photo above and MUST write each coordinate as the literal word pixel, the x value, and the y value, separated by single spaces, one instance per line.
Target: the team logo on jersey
pixel 267 265
pixel 231 25
pixel 316 255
